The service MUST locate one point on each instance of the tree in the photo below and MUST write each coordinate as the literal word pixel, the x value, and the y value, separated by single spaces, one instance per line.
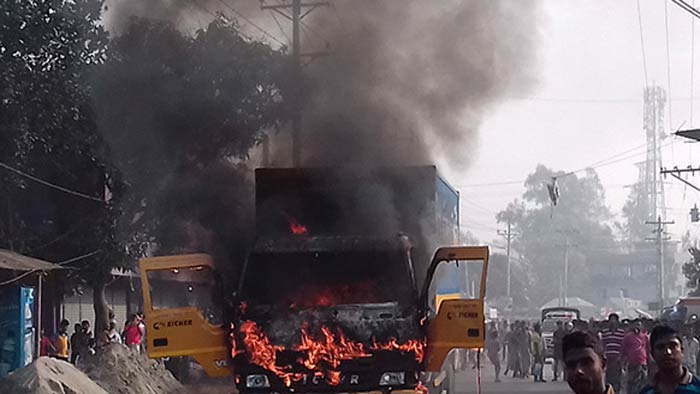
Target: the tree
pixel 496 281
pixel 691 271
pixel 181 114
pixel 49 131
pixel 576 224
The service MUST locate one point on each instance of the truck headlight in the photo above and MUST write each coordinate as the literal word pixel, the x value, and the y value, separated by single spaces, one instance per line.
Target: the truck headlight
pixel 392 379
pixel 256 381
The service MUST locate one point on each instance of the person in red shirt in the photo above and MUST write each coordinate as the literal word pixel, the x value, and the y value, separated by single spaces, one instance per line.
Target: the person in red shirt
pixel 132 333
pixel 46 347
pixel 634 353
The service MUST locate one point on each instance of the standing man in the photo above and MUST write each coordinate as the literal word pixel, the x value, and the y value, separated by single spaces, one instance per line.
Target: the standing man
pixel 493 350
pixel 585 363
pixel 634 354
pixel 61 342
pixel 537 350
pixel 672 377
pixel 691 347
pixel 612 336
pixel 75 341
pixel 558 338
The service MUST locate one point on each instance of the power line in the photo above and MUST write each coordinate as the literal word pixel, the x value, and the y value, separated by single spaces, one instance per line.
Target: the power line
pixel 255 25
pixel 687 7
pixel 591 100
pixel 610 158
pixel 641 36
pixel 491 184
pixel 218 15
pixel 477 206
pixel 616 158
pixel 49 184
pixel 692 65
pixel 340 20
pixel 280 26
pixel 668 67
pixel 203 8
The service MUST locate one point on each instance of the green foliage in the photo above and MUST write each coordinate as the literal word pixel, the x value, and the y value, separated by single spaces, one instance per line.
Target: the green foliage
pixel 181 114
pixel 497 279
pixel 156 123
pixel 48 130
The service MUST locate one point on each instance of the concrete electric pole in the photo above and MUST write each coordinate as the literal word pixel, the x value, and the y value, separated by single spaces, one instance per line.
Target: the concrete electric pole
pixel 660 269
pixel 508 235
pixel 298 10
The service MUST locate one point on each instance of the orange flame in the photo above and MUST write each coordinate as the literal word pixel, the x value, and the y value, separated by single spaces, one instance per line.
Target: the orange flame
pixel 296 228
pixel 321 356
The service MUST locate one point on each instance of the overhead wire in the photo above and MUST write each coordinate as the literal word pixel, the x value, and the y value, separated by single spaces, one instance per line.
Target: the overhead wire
pixel 216 15
pixel 616 158
pixel 668 68
pixel 477 206
pixel 692 66
pixel 687 7
pixel 195 3
pixel 280 26
pixel 250 21
pixel 641 35
pixel 49 184
pixel 591 100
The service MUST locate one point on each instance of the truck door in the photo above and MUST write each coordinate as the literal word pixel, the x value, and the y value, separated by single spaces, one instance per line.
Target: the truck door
pixel 453 298
pixel 182 302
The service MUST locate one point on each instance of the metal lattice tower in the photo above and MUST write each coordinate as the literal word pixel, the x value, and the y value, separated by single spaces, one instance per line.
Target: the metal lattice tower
pixel 653 188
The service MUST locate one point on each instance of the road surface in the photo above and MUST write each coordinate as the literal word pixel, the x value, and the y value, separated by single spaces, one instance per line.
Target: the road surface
pixel 466 383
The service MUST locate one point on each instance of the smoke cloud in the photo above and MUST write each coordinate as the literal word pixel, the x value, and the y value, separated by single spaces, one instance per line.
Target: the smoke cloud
pixel 405 83
pixel 410 81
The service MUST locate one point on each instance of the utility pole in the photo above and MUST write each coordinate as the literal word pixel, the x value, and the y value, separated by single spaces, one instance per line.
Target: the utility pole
pixel 296 7
pixel 509 236
pixel 566 272
pixel 660 239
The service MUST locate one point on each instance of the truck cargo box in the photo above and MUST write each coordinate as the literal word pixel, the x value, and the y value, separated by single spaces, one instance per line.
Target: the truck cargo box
pixel 355 201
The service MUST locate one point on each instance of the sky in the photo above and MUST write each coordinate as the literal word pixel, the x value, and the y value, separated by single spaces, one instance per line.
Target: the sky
pixel 587 107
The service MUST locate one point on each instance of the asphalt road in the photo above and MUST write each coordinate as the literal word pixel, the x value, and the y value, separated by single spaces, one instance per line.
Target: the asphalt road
pixel 466 383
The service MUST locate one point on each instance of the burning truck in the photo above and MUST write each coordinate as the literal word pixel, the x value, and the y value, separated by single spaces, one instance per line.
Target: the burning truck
pixel 338 293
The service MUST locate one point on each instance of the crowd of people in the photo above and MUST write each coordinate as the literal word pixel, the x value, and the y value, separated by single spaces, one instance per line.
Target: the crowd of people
pixel 83 342
pixel 635 356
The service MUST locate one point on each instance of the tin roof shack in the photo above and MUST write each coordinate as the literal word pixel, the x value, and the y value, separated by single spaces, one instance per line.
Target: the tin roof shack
pixel 22 311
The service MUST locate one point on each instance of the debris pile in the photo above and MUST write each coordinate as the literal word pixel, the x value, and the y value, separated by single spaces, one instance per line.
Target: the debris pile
pixel 115 369
pixel 49 376
pixel 120 370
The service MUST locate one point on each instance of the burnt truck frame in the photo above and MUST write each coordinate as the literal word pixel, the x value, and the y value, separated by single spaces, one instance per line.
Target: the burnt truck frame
pixel 396 316
pixel 192 328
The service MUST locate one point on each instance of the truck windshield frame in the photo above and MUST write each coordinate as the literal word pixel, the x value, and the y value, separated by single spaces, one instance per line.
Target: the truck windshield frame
pixel 316 279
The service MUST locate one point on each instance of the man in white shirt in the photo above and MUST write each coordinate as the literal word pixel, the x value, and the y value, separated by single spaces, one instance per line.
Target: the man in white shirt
pixel 691 348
